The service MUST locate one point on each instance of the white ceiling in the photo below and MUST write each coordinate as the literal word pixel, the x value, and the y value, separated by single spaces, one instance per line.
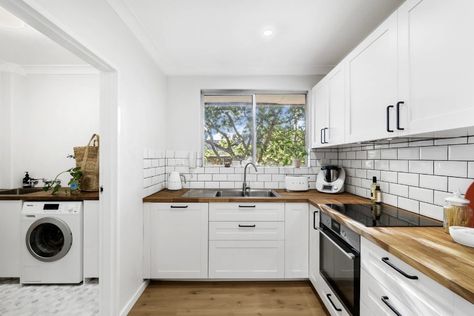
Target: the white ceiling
pixel 224 37
pixel 22 45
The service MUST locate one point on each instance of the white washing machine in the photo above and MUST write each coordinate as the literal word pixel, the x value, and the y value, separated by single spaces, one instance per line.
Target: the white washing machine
pixel 51 243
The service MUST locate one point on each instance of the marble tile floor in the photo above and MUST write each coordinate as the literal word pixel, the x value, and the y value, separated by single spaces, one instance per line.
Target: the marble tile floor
pixel 45 300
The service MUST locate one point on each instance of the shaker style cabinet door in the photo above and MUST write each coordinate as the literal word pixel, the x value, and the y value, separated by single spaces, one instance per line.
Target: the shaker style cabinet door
pixel 337 105
pixel 436 54
pixel 372 85
pixel 296 240
pixel 178 240
pixel 320 113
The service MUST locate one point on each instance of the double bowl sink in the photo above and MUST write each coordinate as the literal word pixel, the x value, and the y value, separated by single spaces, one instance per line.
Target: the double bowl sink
pixel 196 193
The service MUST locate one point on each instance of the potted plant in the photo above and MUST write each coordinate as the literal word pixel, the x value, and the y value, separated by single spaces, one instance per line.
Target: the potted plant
pixel 74 183
pixel 299 155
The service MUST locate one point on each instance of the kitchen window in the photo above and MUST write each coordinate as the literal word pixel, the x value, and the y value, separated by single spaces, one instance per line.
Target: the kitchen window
pixel 268 128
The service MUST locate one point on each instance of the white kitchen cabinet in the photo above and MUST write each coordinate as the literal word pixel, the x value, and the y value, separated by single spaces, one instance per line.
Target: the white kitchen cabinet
pixel 11 240
pixel 337 79
pixel 320 95
pixel 247 240
pixel 296 240
pixel 372 85
pixel 91 239
pixel 314 275
pixel 178 240
pixel 244 259
pixel 384 277
pixel 436 54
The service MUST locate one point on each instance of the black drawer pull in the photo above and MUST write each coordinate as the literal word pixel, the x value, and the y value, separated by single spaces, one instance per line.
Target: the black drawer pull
pixel 179 206
pixel 332 303
pixel 398 115
pixel 314 220
pixel 388 119
pixel 247 226
pixel 248 206
pixel 393 309
pixel 411 277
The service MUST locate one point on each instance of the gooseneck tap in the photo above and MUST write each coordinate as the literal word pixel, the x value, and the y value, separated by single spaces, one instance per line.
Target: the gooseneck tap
pixel 245 188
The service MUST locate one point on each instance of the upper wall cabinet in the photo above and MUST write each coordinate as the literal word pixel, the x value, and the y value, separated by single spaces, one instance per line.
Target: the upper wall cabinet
pixel 329 108
pixel 372 92
pixel 436 54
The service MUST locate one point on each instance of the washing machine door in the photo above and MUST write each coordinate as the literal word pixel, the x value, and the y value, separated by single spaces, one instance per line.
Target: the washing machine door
pixel 49 239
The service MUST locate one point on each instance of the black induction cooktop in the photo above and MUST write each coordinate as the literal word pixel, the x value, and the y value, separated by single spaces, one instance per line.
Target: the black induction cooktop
pixel 381 215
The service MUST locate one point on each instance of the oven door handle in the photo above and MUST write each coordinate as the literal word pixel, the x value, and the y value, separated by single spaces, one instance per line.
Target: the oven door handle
pixel 347 254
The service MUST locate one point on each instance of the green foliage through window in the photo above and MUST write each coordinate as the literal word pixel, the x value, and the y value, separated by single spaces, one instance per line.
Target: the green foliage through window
pixel 280 129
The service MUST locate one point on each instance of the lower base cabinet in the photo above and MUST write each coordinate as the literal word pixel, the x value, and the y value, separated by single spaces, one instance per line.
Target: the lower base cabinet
pixel 242 259
pixel 178 240
pixel 10 238
pixel 91 239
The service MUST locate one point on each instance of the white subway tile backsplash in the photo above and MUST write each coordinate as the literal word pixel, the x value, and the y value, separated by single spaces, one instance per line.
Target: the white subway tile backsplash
pixel 264 177
pixel 409 153
pixel 399 165
pixel 204 177
pixel 361 155
pixel 450 141
pixel 434 182
pixel 425 167
pixel 451 168
pixel 409 204
pixel 398 189
pixel 439 197
pixel 459 184
pixel 461 152
pixel 219 177
pixel 382 164
pixel 408 179
pixel 388 176
pixel 388 154
pixel 211 185
pixel 371 154
pixel 373 173
pixel 434 153
pixel 361 173
pixel 419 194
pixel 430 210
pixel 390 199
pixel 368 164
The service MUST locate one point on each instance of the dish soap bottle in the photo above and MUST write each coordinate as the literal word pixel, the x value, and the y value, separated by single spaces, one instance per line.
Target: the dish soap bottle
pixel 378 195
pixel 27 180
pixel 373 187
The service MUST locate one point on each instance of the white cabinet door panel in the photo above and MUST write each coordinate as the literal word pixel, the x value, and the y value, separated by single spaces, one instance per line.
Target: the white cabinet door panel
pixel 11 240
pixel 437 63
pixel 296 240
pixel 337 105
pixel 246 259
pixel 320 113
pixel 373 80
pixel 91 239
pixel 314 275
pixel 178 240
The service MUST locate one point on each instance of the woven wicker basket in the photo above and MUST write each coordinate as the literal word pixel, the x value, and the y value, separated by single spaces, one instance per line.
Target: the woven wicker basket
pixel 87 158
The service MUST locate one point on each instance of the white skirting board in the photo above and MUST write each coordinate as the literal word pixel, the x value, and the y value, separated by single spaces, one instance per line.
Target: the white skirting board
pixel 128 307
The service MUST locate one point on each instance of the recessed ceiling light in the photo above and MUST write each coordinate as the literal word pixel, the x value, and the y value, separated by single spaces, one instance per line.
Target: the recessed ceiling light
pixel 267 33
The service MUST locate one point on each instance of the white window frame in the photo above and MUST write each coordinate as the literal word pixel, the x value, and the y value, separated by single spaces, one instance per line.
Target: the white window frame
pixel 253 94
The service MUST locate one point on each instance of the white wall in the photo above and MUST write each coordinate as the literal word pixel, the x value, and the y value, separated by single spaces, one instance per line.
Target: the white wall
pixel 5 130
pixel 57 113
pixel 183 124
pixel 141 103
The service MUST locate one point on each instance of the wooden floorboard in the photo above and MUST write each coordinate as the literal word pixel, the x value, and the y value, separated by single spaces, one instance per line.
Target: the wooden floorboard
pixel 295 298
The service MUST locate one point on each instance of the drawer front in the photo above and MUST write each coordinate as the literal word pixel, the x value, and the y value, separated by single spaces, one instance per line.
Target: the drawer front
pixel 246 231
pixel 422 296
pixel 230 212
pixel 330 300
pixel 246 259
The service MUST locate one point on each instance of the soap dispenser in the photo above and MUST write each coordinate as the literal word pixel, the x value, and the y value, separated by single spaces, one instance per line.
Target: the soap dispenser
pixel 27 180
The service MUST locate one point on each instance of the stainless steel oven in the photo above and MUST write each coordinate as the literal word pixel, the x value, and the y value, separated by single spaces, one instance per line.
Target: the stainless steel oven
pixel 340 262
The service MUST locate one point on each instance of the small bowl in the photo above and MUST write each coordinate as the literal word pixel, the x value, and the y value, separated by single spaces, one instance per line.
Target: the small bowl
pixel 462 235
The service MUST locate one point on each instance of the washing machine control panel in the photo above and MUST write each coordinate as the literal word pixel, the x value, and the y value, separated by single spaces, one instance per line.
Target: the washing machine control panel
pixel 52 207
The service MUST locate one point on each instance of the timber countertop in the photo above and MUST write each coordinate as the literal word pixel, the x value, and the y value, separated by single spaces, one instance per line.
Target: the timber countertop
pixel 62 195
pixel 428 249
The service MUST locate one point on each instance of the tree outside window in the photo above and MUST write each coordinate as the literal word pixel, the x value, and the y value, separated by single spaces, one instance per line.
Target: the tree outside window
pixel 274 138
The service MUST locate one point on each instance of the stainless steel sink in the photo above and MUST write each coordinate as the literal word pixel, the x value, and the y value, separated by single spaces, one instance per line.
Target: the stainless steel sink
pixel 19 191
pixel 249 194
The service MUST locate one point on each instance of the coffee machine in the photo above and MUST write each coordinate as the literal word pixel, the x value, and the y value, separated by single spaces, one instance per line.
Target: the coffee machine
pixel 331 179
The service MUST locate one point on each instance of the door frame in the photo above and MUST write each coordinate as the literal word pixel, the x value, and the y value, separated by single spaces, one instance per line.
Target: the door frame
pixel 43 22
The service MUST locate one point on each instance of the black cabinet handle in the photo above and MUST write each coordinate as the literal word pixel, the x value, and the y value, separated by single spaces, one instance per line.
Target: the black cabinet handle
pixel 332 303
pixel 321 136
pixel 388 119
pixel 314 220
pixel 247 226
pixel 398 115
pixel 248 206
pixel 411 277
pixel 179 206
pixel 385 301
pixel 325 129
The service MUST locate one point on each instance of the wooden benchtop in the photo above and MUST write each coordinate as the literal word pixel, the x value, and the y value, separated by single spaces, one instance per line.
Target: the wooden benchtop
pixel 428 249
pixel 62 195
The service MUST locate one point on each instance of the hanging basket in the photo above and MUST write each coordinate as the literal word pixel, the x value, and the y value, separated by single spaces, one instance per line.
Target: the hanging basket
pixel 87 158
